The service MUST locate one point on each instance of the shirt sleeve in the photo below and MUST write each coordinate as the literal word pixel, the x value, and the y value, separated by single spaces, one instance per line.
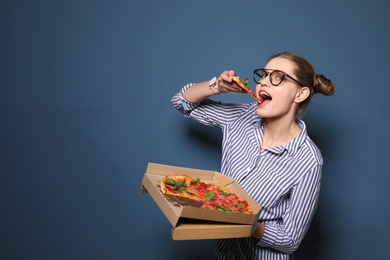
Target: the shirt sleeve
pixel 286 235
pixel 182 105
pixel 208 112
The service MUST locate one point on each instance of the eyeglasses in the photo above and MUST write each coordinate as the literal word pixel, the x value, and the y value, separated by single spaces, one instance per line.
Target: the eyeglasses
pixel 276 77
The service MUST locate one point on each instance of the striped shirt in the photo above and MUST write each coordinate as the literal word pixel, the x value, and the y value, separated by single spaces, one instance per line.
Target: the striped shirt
pixel 284 180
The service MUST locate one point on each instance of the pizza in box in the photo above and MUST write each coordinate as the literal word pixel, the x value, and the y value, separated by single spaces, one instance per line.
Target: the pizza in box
pixel 209 194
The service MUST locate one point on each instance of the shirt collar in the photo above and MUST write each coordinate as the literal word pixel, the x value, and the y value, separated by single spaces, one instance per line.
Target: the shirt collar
pixel 291 147
pixel 298 141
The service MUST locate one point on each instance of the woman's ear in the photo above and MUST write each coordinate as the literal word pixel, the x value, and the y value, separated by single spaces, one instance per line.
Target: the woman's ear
pixel 302 94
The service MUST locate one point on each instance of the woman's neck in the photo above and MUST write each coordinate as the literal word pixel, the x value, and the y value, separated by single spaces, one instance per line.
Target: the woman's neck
pixel 279 132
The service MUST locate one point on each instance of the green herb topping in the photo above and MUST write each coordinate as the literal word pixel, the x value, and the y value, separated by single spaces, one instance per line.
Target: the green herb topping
pixel 222 208
pixel 209 196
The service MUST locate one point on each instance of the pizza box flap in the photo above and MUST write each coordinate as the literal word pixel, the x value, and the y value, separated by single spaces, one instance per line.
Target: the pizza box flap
pixel 171 211
pixel 175 208
pixel 190 229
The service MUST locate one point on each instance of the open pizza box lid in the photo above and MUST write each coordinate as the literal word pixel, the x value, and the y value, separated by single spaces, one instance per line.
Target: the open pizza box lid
pixel 184 217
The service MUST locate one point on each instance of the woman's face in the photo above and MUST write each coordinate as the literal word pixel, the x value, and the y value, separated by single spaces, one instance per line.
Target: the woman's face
pixel 278 101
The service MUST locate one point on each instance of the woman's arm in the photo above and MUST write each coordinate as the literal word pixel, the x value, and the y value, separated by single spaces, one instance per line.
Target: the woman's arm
pixel 198 92
pixel 201 91
pixel 286 236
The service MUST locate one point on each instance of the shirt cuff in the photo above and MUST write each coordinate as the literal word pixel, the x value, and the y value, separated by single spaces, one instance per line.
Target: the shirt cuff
pixel 188 106
pixel 269 236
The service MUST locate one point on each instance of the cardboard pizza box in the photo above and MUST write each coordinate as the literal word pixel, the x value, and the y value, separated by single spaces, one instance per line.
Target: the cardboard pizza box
pixel 191 221
pixel 192 229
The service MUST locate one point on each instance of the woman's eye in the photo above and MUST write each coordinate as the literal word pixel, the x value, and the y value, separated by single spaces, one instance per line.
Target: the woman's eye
pixel 277 77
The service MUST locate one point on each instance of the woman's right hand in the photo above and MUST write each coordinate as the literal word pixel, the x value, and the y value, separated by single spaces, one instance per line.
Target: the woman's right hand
pixel 225 84
pixel 202 90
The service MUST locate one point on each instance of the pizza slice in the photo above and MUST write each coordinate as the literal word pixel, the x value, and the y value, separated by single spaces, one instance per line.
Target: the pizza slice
pixel 182 186
pixel 211 195
pixel 243 84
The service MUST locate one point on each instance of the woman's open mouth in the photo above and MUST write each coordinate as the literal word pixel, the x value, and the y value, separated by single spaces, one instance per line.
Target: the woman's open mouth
pixel 264 96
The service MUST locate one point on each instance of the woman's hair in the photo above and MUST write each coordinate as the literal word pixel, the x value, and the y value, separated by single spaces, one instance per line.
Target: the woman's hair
pixel 305 73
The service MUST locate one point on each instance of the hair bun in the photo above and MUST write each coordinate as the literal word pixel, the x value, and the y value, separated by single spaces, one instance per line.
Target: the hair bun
pixel 323 85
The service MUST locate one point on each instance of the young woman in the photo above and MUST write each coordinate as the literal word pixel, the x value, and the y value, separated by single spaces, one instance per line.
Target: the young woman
pixel 267 150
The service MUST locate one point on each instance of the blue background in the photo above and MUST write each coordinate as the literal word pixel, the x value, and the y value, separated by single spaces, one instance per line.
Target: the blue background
pixel 85 105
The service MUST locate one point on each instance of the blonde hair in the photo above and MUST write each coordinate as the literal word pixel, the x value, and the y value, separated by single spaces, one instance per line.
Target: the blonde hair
pixel 305 73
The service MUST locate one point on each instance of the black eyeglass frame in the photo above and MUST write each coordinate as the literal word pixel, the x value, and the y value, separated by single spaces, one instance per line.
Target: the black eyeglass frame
pixel 270 77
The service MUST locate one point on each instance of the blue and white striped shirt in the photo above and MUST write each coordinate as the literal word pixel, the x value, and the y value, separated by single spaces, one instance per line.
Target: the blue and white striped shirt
pixel 285 180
